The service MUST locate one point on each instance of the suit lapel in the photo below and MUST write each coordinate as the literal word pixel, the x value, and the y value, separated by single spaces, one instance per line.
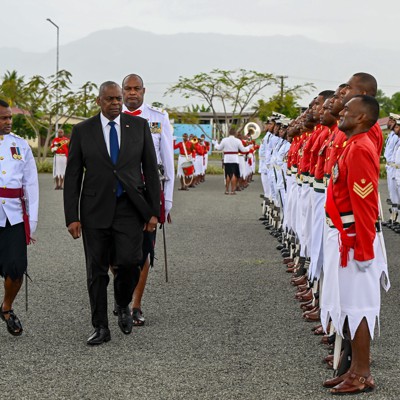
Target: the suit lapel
pixel 126 131
pixel 99 138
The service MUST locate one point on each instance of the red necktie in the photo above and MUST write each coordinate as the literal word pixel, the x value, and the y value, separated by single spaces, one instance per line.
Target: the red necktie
pixel 137 112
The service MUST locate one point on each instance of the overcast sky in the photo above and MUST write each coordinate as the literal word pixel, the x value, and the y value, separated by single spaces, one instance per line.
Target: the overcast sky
pixel 372 22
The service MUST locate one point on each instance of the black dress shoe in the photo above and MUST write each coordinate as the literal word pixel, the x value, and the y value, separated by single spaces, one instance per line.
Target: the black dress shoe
pixel 99 336
pixel 125 320
pixel 280 247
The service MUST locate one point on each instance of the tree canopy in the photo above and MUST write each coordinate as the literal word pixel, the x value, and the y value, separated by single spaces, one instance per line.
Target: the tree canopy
pixel 230 90
pixel 46 102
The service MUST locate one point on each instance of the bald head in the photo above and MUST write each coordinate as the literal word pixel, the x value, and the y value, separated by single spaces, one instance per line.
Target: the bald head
pixel 360 83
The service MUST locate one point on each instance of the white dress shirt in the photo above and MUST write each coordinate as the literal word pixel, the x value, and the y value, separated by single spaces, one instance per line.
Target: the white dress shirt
pixel 106 130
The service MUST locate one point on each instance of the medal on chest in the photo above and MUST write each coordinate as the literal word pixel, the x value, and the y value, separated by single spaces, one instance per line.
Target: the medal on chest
pixel 155 127
pixel 16 153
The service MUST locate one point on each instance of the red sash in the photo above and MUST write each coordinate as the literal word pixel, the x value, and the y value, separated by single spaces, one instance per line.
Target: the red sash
pixel 15 194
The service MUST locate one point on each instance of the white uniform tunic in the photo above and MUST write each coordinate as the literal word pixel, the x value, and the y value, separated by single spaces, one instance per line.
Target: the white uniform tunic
pixel 229 145
pixel 18 169
pixel 161 132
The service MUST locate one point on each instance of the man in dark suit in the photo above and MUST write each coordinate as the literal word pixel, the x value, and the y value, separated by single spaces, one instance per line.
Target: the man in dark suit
pixel 110 157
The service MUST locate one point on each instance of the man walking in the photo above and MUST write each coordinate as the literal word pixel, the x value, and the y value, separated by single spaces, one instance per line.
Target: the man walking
pixel 133 91
pixel 105 199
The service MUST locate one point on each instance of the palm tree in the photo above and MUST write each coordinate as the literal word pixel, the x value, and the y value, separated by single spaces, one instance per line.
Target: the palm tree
pixel 11 88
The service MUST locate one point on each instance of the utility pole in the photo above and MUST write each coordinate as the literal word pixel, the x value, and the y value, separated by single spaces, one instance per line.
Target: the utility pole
pixel 282 78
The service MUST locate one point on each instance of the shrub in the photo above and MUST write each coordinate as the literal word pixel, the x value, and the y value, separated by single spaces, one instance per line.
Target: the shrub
pixel 44 167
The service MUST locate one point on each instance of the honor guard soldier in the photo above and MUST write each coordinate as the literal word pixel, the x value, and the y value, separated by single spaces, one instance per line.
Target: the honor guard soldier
pixel 161 132
pixel 355 263
pixel 19 203
pixel 59 147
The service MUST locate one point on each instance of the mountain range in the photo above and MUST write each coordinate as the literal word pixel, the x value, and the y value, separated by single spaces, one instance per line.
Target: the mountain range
pixel 161 59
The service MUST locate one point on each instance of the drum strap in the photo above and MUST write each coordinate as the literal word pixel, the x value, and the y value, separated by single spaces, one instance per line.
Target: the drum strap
pixel 184 148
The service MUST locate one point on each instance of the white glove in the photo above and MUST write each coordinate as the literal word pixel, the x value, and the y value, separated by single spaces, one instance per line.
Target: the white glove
pixel 33 226
pixel 363 265
pixel 174 137
pixel 168 206
pixel 214 142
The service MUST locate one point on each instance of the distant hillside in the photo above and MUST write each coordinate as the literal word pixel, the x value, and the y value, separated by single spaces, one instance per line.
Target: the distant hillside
pixel 161 59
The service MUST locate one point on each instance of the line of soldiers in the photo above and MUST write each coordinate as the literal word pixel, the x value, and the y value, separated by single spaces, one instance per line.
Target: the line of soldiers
pixel 392 156
pixel 320 177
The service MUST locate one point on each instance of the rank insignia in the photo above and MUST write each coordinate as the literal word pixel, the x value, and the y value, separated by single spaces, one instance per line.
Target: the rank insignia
pixel 1 137
pixel 155 127
pixel 335 173
pixel 16 153
pixel 363 191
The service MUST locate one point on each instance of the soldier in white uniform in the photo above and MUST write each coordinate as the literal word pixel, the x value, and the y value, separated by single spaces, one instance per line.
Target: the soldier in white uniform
pixel 19 203
pixel 389 154
pixel 161 130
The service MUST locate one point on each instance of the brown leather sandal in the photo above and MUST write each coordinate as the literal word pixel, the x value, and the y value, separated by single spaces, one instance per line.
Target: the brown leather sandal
pixel 354 384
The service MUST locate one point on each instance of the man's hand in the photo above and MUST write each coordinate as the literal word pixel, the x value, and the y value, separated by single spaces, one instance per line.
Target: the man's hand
pixel 74 228
pixel 151 225
pixel 363 265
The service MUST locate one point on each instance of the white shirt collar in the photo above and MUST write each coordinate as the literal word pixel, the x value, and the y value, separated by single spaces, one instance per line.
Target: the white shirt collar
pixel 105 121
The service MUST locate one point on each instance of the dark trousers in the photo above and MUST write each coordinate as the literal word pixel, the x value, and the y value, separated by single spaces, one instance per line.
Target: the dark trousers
pixel 119 246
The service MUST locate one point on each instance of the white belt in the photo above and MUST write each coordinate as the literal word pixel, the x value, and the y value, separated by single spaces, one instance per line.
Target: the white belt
pixel 346 220
pixel 304 178
pixel 318 185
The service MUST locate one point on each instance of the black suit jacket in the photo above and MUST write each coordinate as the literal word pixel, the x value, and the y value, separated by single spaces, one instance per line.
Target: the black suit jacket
pixel 91 178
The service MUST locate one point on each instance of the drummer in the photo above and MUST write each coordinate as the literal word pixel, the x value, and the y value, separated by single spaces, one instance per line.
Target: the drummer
pixel 185 155
pixel 231 146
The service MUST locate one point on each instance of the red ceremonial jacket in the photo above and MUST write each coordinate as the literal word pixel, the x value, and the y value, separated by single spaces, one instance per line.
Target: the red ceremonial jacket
pixel 354 186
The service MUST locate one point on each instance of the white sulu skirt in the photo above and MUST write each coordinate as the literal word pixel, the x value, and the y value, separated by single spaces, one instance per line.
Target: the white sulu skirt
pixel 350 293
pixel 59 165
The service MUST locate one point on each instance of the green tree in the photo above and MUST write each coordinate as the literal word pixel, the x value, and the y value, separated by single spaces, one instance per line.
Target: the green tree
pixel 285 101
pixel 11 88
pixel 46 103
pixel 385 103
pixel 230 90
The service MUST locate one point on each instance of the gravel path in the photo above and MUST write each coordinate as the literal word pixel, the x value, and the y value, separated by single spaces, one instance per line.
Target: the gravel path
pixel 226 326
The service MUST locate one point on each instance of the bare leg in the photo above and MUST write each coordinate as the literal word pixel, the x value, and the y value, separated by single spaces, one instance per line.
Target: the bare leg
pixel 233 184
pixel 227 183
pixel 360 346
pixel 139 290
pixel 11 289
pixel 61 182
